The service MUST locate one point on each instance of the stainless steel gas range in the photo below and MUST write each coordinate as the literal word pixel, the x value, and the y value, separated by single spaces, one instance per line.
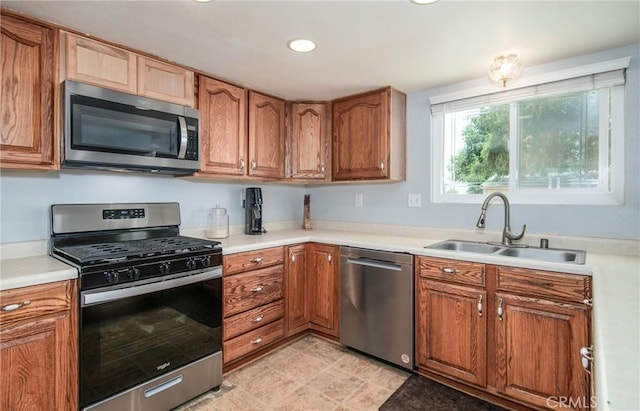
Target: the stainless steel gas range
pixel 150 304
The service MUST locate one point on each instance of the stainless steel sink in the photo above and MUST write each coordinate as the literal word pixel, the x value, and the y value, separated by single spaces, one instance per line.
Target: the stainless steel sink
pixel 541 254
pixel 546 254
pixel 465 246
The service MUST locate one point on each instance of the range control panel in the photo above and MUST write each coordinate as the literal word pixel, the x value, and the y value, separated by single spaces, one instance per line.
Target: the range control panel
pixel 123 213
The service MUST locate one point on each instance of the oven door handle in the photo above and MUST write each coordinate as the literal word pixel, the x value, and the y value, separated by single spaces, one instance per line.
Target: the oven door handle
pixel 94 297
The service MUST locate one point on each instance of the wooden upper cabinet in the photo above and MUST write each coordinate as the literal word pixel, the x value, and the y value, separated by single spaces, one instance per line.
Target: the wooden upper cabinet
pixel 89 61
pixel 266 136
pixel 165 82
pixel 27 90
pixel 308 143
pixel 223 109
pixel 369 136
pixel 94 62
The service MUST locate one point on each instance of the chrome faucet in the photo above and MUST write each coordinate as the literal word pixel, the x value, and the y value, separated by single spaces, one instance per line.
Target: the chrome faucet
pixel 507 235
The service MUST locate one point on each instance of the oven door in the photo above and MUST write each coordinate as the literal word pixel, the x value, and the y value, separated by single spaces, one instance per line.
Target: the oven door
pixel 135 334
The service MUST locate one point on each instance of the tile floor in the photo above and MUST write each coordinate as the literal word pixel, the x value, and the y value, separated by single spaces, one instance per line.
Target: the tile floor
pixel 308 374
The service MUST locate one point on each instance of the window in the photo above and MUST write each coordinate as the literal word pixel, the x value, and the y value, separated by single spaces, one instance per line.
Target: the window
pixel 559 142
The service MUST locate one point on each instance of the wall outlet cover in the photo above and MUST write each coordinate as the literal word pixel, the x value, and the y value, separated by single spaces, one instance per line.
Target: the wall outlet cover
pixel 414 200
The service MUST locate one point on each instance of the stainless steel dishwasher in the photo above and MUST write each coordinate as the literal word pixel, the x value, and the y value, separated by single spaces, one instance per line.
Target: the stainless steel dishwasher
pixel 377 304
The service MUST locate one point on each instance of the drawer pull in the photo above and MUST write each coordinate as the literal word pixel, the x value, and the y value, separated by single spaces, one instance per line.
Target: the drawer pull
pixel 257 260
pixel 480 306
pixel 500 310
pixel 587 358
pixel 15 306
pixel 257 319
pixel 257 289
pixel 448 270
pixel 258 341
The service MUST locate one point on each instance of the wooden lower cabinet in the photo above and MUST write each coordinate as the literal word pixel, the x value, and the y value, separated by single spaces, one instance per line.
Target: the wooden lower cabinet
pixel 324 288
pixel 538 351
pixel 513 333
pixel 38 348
pixel 253 304
pixel 296 289
pixel 452 330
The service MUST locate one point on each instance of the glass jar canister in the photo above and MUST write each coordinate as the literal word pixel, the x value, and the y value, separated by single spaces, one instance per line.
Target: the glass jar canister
pixel 218 223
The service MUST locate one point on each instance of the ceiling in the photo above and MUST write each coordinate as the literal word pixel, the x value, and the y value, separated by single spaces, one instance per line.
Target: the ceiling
pixel 361 45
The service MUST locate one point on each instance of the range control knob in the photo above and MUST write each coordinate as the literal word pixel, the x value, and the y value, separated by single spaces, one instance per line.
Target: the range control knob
pixel 133 273
pixel 205 261
pixel 191 263
pixel 164 267
pixel 111 276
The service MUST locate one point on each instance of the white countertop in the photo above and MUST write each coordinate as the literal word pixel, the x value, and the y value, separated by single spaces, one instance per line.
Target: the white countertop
pixel 616 288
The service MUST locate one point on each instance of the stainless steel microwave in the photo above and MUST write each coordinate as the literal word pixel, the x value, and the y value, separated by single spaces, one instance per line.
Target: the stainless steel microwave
pixel 107 129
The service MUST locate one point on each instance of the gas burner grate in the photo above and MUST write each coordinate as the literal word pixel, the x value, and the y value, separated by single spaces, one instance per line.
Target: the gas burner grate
pixel 91 253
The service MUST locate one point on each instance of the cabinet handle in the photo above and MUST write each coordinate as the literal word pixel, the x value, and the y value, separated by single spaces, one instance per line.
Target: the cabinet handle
pixel 257 289
pixel 322 168
pixel 480 305
pixel 15 306
pixel 500 310
pixel 587 358
pixel 257 260
pixel 257 319
pixel 258 341
pixel 448 270
pixel 382 165
pixel 588 301
pixel 241 163
pixel 330 257
pixel 293 258
pixel 254 165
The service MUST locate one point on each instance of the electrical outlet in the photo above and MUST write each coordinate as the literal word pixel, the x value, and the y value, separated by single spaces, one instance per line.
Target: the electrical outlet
pixel 242 196
pixel 414 200
pixel 359 200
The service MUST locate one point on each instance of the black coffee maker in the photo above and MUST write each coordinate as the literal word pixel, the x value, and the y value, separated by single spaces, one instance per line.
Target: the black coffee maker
pixel 253 211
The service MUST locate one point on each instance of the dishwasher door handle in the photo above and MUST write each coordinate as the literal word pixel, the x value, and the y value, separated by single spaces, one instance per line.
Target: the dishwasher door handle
pixel 374 263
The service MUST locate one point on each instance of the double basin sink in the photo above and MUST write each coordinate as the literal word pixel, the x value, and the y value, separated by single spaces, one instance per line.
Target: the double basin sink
pixel 554 255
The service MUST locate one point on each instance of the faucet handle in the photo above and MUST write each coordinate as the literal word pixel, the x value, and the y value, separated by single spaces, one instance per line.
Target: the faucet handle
pixel 514 236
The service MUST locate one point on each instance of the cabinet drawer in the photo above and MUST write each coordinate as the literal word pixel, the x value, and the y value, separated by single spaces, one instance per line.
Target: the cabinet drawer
pixel 249 320
pixel 35 301
pixel 243 292
pixel 253 340
pixel 236 263
pixel 548 284
pixel 463 272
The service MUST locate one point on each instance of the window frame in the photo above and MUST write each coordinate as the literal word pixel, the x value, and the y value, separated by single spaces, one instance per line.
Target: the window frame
pixel 612 108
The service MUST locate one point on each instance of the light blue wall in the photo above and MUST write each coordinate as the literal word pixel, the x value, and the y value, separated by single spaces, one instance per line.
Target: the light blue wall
pixel 387 204
pixel 25 197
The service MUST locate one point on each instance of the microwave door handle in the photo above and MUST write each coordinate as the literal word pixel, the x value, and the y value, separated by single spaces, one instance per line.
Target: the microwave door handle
pixel 183 137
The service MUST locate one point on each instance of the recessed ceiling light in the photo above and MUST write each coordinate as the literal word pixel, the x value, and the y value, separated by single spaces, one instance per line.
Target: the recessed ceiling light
pixel 203 1
pixel 423 1
pixel 301 45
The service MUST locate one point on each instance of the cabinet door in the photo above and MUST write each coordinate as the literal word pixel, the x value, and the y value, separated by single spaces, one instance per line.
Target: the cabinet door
pixel 324 288
pixel 90 61
pixel 27 76
pixel 165 82
pixel 223 109
pixel 452 329
pixel 38 348
pixel 308 149
pixel 361 137
pixel 266 136
pixel 295 296
pixel 538 351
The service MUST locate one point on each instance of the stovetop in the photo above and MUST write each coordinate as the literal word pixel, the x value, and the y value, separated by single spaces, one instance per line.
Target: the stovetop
pixel 104 252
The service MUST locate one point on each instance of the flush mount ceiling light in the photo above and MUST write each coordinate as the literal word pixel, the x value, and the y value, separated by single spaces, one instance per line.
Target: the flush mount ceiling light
pixel 505 68
pixel 423 1
pixel 301 45
pixel 203 1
